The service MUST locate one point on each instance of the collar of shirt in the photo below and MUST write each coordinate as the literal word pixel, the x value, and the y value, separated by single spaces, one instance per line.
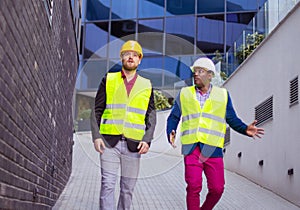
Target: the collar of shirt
pixel 129 84
pixel 202 97
pixel 204 94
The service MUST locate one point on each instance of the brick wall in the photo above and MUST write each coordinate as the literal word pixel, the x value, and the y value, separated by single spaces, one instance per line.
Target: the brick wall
pixel 38 64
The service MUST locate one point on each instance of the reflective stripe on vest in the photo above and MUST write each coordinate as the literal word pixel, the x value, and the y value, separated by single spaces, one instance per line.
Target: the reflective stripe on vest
pixel 125 114
pixel 206 125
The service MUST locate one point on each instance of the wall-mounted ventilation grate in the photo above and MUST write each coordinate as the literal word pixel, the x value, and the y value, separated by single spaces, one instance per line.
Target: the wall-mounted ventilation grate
pixel 294 94
pixel 264 111
pixel 227 137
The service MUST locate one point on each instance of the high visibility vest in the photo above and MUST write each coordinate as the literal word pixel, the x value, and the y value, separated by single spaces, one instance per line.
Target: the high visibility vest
pixel 207 124
pixel 125 114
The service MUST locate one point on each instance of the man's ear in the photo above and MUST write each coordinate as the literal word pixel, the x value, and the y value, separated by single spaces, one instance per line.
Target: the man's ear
pixel 212 74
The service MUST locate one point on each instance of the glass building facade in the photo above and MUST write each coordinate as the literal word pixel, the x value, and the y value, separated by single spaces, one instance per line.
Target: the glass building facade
pixel 172 33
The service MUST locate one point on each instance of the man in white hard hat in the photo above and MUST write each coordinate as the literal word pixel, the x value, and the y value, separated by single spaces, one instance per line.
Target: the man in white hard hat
pixel 205 109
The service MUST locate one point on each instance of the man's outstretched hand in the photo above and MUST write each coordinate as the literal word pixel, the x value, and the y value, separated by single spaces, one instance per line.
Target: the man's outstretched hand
pixel 254 131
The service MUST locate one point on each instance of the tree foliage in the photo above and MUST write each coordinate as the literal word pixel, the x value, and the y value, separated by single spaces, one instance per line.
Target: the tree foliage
pixel 161 101
pixel 251 43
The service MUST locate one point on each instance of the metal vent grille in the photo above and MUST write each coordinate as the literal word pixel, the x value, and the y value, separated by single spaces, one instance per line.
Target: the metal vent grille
pixel 227 136
pixel 264 111
pixel 294 94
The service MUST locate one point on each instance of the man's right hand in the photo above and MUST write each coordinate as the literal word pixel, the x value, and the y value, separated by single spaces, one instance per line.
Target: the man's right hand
pixel 172 138
pixel 99 145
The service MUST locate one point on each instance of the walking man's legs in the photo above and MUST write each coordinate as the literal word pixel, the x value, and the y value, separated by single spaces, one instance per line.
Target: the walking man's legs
pixel 213 169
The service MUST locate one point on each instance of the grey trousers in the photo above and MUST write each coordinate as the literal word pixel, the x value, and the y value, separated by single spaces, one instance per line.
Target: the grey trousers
pixel 118 162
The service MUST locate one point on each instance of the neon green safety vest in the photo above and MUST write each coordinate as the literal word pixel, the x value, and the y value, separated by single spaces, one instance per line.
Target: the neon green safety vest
pixel 207 124
pixel 125 114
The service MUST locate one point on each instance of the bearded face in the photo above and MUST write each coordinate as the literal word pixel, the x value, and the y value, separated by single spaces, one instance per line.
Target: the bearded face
pixel 130 60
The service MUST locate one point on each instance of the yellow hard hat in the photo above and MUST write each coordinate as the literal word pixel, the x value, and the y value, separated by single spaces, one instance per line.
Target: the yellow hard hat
pixel 132 46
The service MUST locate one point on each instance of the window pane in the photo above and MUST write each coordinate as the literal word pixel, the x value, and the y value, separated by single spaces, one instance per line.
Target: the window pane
pixel 236 23
pixel 179 66
pixel 238 5
pixel 243 18
pixel 96 40
pixel 180 7
pixel 210 33
pixel 124 9
pixel 151 8
pixel 115 65
pixel 150 36
pixel 97 9
pixel 180 35
pixel 261 3
pixel 91 74
pixel 123 28
pixel 209 6
pixel 152 68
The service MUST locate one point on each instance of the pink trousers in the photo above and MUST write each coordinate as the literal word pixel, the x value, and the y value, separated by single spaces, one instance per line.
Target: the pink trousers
pixel 213 169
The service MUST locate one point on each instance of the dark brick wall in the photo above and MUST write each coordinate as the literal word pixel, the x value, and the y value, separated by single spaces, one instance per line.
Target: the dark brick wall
pixel 38 64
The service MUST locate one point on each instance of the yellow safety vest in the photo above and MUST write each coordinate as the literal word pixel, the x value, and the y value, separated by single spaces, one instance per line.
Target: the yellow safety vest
pixel 206 125
pixel 125 114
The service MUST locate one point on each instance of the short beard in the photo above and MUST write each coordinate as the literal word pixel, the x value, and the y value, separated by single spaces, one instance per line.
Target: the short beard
pixel 129 69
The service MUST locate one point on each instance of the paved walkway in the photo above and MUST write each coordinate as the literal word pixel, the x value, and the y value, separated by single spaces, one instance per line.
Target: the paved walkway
pixel 161 183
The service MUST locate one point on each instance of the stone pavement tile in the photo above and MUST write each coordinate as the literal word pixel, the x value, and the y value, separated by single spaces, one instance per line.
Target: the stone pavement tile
pixel 160 186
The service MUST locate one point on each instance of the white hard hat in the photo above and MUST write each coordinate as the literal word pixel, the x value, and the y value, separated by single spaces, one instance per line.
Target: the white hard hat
pixel 204 63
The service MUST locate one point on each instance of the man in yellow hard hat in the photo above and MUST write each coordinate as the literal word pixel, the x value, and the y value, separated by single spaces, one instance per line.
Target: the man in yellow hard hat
pixel 126 117
pixel 204 109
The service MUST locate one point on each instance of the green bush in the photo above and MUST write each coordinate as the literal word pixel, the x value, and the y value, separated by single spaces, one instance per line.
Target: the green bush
pixel 84 114
pixel 161 101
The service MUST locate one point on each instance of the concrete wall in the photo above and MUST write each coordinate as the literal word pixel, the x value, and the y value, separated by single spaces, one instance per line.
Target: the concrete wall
pixel 266 73
pixel 38 64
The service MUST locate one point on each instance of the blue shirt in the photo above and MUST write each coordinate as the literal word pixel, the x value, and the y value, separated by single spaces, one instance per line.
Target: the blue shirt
pixel 206 150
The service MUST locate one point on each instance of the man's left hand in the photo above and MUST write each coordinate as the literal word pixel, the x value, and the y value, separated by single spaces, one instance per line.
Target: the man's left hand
pixel 254 131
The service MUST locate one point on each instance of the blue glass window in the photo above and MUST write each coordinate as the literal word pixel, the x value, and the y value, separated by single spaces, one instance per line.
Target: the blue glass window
pixel 179 66
pixel 209 6
pixel 115 65
pixel 91 74
pixel 151 8
pixel 234 30
pixel 180 7
pixel 152 68
pixel 210 33
pixel 261 3
pixel 97 9
pixel 123 28
pixel 150 36
pixel 240 6
pixel 124 9
pixel 180 35
pixel 96 39
pixel 177 71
